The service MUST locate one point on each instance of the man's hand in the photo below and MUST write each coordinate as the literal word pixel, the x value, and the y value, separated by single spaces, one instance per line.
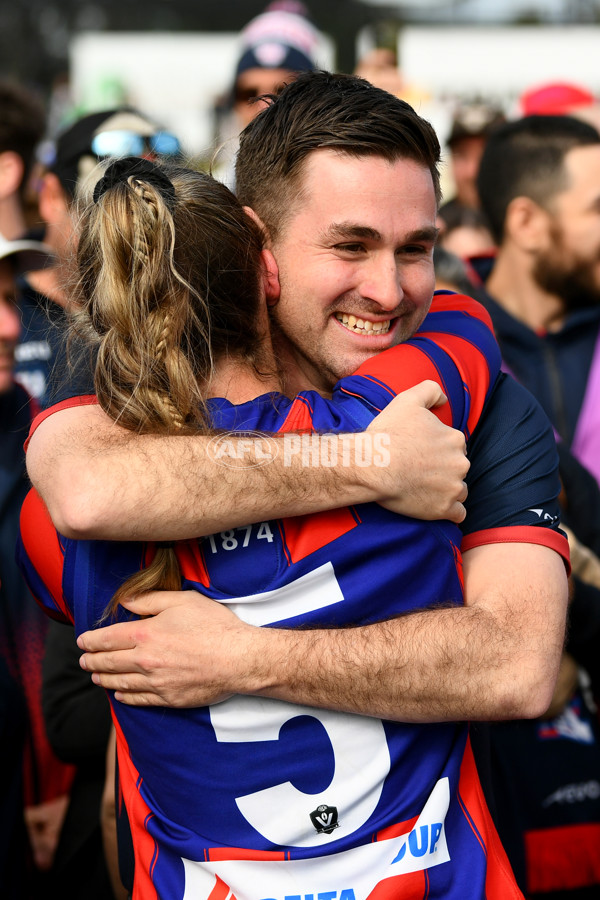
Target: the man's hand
pixel 168 659
pixel 428 463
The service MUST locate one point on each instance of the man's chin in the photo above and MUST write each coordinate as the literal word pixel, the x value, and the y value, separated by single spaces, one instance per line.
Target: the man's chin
pixel 353 362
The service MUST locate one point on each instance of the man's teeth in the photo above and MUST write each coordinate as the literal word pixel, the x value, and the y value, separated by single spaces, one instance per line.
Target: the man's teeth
pixel 363 326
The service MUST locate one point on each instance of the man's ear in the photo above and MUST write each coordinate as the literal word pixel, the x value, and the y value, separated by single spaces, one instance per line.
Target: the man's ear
pixel 527 224
pixel 270 267
pixel 12 170
pixel 270 278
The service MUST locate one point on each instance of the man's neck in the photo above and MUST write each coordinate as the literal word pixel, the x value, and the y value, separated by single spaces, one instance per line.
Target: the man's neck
pixel 296 372
pixel 512 285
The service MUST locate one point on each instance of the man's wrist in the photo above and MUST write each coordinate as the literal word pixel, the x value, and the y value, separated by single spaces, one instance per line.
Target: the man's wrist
pixel 263 659
pixel 348 467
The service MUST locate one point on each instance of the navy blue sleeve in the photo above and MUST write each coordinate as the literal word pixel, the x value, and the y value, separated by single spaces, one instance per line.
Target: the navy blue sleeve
pixel 513 479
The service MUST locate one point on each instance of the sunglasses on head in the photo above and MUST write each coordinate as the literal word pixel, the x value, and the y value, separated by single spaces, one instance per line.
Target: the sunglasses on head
pixel 130 143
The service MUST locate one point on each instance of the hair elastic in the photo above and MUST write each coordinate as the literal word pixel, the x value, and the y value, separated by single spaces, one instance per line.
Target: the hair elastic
pixel 141 169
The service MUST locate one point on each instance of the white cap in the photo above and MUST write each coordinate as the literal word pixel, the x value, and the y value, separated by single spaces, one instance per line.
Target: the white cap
pixel 27 255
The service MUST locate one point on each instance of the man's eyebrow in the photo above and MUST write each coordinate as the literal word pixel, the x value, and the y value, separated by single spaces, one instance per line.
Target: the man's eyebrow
pixel 345 230
pixel 348 230
pixel 428 235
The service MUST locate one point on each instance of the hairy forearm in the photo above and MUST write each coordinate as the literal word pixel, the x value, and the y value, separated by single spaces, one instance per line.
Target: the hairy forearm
pixel 433 666
pixel 497 657
pixel 100 481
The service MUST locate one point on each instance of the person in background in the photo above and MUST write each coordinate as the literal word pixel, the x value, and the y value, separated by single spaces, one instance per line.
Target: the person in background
pixel 40 356
pixel 471 126
pixel 275 47
pixel 22 127
pixel 538 184
pixel 464 231
pixel 452 273
pixel 35 783
pixel 380 67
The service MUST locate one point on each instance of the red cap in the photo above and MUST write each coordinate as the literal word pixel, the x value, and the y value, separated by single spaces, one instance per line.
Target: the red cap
pixel 555 99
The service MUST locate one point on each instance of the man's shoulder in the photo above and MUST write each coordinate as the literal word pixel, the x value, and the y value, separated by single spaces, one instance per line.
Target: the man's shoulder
pixel 511 419
pixel 69 403
pixel 514 464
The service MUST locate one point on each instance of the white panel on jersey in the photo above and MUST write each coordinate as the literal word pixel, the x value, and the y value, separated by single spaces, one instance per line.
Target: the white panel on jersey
pixel 315 590
pixel 350 875
pixel 361 757
pixel 282 813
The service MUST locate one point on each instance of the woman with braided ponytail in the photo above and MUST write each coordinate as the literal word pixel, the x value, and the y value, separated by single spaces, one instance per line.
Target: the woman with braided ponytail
pixel 224 801
pixel 153 247
pixel 168 282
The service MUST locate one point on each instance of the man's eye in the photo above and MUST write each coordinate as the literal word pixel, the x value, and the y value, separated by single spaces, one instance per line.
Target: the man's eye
pixel 349 248
pixel 414 249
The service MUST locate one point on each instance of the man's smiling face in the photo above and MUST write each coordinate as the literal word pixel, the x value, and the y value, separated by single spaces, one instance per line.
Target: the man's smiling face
pixel 355 262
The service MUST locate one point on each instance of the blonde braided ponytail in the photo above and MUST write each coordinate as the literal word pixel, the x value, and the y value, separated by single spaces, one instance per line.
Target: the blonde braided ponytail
pixel 168 275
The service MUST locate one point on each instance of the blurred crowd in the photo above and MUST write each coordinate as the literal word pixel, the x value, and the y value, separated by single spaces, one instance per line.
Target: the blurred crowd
pixel 519 231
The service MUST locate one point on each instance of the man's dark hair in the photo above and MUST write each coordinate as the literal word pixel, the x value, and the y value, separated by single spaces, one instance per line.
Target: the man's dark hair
pixel 319 110
pixel 22 124
pixel 525 158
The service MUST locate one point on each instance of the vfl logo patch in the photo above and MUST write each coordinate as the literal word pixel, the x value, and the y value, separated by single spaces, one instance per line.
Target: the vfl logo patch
pixel 325 819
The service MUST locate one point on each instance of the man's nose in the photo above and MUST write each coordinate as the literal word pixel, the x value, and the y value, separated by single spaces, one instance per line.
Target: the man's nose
pixel 383 284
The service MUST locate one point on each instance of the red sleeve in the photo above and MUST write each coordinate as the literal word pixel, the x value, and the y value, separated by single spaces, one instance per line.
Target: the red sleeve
pixel 41 557
pixel 451 302
pixel 475 367
pixel 520 534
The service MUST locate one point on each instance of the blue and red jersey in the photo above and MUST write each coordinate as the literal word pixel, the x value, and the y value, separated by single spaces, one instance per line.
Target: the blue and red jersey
pixel 260 799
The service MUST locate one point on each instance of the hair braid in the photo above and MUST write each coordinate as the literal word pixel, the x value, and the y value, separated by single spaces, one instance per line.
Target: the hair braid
pixel 141 247
pixel 168 274
pixel 146 374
